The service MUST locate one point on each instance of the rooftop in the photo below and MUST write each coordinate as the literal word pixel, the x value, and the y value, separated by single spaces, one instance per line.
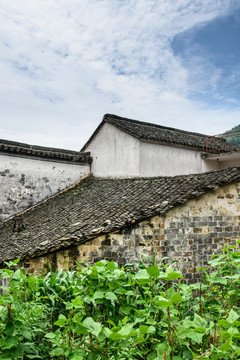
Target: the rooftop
pixel 97 206
pixel 161 134
pixel 16 148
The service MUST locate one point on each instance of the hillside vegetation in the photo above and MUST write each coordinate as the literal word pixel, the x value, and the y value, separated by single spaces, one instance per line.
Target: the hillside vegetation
pixel 232 138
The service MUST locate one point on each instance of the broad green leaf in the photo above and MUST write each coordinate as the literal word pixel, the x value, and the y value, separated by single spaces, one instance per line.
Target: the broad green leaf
pixel 226 346
pixel 169 270
pixel 199 322
pixel 77 357
pixel 111 266
pixel 8 272
pixel 153 271
pixel 142 275
pixel 110 296
pixel 77 301
pixel 143 329
pixel 125 330
pixel 93 326
pixel 9 328
pixel 151 329
pixel 236 336
pixel 174 275
pixel 111 323
pixel 139 339
pixel 91 356
pixel 233 316
pixel 162 275
pixel 125 320
pixel 163 348
pixel 50 335
pixel 225 335
pixel 195 336
pixel 233 330
pixel 27 334
pixel 101 263
pixel 78 328
pixel 224 323
pixel 79 354
pixel 187 354
pixel 219 280
pixel 60 322
pixel 176 298
pixel 16 261
pixel 57 352
pixel 115 336
pixel 200 330
pixel 98 294
pixel 10 342
pixel 68 305
pixel 17 275
pixel 151 356
pixel 107 331
pixel 170 292
pixel 162 302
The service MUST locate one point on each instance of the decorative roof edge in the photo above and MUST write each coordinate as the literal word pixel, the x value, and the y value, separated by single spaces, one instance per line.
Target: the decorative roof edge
pixel 116 117
pixel 22 149
pixel 112 120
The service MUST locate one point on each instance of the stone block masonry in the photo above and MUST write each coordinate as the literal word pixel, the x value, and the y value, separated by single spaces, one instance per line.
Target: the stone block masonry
pixel 188 234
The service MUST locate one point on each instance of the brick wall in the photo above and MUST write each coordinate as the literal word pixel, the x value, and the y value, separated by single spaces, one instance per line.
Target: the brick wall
pixel 189 234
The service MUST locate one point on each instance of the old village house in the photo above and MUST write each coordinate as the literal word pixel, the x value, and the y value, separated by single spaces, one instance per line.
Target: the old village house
pixel 136 188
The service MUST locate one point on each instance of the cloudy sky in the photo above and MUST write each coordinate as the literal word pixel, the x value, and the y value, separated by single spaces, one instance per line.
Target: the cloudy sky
pixel 65 63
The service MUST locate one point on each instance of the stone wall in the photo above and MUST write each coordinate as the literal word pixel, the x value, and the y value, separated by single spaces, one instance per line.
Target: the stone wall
pixel 189 234
pixel 25 181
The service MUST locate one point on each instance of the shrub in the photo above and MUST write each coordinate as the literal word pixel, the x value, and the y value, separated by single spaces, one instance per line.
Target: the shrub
pixel 134 312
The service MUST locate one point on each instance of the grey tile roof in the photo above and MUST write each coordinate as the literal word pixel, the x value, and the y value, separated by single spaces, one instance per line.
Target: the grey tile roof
pixel 97 206
pixel 161 134
pixel 13 147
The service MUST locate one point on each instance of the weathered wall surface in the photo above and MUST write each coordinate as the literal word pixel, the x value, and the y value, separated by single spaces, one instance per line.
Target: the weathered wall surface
pixel 189 233
pixel 117 154
pixel 26 181
pixel 164 160
pixel 114 153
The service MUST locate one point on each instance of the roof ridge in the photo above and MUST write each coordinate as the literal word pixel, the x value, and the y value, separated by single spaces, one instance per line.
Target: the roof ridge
pixel 13 147
pixel 37 147
pixel 203 174
pixel 154 133
pixel 117 117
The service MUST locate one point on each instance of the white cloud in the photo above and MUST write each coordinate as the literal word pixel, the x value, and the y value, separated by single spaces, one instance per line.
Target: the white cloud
pixel 63 64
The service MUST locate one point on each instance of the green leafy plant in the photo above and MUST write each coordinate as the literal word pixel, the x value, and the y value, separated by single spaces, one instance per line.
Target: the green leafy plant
pixel 141 311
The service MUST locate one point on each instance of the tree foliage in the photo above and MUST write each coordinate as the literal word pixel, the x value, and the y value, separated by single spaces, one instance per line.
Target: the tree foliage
pixel 233 136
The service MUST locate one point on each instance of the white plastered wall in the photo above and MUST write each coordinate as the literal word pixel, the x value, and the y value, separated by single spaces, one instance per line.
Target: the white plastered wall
pixel 26 181
pixel 164 160
pixel 114 153
pixel 118 154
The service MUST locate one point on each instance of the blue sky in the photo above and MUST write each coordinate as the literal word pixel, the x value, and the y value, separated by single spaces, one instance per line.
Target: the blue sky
pixel 65 63
pixel 211 52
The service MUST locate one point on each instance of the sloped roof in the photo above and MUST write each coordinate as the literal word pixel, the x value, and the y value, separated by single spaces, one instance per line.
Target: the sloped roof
pixel 17 148
pixel 98 206
pixel 161 134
